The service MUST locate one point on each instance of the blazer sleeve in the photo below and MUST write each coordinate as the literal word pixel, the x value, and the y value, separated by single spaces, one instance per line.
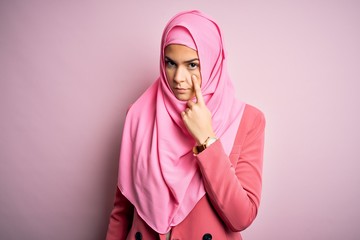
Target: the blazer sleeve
pixel 234 187
pixel 120 218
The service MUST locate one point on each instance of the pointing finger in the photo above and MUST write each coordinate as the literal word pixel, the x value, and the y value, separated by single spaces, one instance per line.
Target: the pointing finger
pixel 190 103
pixel 198 94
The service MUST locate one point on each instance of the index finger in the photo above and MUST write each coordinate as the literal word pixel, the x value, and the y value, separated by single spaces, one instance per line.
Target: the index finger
pixel 197 89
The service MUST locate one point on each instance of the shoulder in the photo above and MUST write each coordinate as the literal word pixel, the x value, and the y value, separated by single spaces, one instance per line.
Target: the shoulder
pixel 146 100
pixel 145 104
pixel 252 126
pixel 253 115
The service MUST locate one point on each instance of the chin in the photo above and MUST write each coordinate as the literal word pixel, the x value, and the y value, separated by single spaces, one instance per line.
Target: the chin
pixel 182 97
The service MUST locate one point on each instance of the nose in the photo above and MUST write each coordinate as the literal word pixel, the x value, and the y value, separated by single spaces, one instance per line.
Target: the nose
pixel 180 75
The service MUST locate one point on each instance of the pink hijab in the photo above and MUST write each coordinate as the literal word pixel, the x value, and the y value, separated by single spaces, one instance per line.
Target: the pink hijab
pixel 158 173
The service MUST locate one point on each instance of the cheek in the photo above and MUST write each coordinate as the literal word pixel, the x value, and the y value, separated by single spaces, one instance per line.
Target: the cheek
pixel 169 75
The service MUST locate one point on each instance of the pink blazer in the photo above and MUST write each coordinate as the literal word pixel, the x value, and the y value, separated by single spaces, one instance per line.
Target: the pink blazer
pixel 233 187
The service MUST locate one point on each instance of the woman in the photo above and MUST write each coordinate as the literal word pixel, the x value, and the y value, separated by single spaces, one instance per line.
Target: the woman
pixel 191 154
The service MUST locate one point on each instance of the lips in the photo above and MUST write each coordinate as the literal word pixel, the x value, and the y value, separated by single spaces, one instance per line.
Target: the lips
pixel 181 90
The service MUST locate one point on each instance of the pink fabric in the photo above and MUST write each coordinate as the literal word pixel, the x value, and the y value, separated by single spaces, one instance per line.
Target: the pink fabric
pixel 180 35
pixel 158 173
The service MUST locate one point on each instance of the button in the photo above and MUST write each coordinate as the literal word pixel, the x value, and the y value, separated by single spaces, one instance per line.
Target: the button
pixel 138 236
pixel 207 236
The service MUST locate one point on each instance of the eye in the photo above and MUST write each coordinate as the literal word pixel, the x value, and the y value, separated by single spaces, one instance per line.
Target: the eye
pixel 193 65
pixel 169 63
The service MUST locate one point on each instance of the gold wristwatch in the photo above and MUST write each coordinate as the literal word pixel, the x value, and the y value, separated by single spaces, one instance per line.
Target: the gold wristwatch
pixel 198 149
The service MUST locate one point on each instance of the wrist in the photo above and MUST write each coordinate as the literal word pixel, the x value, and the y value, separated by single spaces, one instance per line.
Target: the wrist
pixel 201 140
pixel 201 147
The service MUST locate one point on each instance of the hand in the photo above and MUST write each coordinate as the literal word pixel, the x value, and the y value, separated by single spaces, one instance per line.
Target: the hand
pixel 197 117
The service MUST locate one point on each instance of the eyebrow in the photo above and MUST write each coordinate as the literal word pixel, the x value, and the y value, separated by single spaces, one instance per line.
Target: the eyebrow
pixel 187 61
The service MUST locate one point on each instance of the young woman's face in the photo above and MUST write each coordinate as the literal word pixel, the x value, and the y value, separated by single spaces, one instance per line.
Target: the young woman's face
pixel 181 63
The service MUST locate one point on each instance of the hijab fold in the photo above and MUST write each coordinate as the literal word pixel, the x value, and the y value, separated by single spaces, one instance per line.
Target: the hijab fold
pixel 158 173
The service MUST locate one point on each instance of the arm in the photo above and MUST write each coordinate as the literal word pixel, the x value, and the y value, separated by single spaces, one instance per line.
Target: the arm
pixel 235 191
pixel 120 218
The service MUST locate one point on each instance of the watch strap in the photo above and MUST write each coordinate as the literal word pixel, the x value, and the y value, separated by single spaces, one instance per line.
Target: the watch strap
pixel 199 148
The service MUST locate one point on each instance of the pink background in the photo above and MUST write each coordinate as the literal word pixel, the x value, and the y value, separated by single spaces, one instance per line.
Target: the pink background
pixel 69 69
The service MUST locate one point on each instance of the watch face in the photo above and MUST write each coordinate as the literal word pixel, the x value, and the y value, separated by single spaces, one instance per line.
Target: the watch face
pixel 210 141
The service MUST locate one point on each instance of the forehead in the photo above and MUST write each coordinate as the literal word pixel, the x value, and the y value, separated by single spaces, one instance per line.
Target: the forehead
pixel 180 52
